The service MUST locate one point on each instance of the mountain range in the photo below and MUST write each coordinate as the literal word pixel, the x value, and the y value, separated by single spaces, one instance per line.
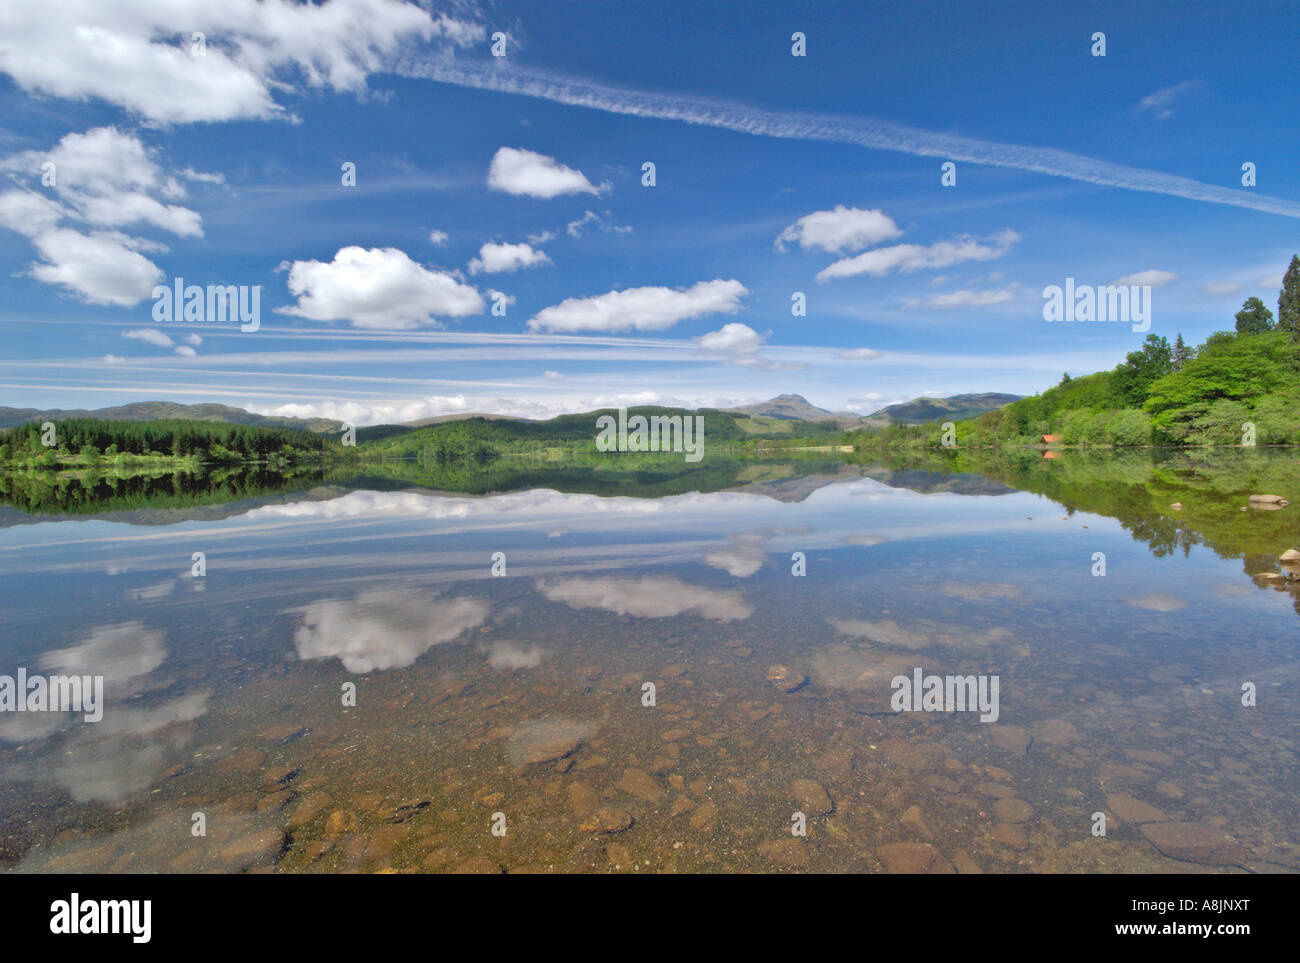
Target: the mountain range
pixel 787 407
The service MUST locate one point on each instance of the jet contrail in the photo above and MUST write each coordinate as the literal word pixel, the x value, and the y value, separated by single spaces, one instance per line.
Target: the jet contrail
pixel 862 131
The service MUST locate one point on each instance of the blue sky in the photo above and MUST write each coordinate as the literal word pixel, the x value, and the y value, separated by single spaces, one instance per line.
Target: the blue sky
pixel 522 175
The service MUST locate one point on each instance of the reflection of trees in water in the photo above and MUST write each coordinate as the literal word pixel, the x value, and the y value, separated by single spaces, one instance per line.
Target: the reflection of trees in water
pixel 43 493
pixel 1138 488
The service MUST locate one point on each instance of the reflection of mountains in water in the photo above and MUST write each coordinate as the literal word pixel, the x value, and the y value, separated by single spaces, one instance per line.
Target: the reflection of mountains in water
pixel 784 482
pixel 927 482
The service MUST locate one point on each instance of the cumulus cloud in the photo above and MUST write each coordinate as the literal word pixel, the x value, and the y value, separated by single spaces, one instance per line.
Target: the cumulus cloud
pixel 840 229
pixel 641 309
pixel 141 56
pixel 1157 279
pixel 905 258
pixel 438 237
pixel 497 258
pixel 963 299
pixel 383 628
pixel 552 376
pixel 650 597
pixel 527 173
pixel 90 184
pixel 377 288
pixel 733 338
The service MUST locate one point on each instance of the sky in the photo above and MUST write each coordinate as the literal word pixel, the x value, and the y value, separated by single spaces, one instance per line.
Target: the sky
pixel 444 208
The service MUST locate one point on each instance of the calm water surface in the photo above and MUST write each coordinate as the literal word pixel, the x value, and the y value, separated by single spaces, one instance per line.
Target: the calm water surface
pixel 517 699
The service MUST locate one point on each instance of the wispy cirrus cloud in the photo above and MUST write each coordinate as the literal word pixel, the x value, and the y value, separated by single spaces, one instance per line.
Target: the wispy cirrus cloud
pixel 1160 102
pixel 862 131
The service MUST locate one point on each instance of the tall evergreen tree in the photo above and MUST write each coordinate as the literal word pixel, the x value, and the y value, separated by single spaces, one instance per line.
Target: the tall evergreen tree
pixel 1254 317
pixel 1288 301
pixel 1182 353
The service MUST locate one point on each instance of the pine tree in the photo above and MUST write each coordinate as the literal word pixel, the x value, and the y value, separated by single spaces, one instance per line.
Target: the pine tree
pixel 1254 317
pixel 1182 353
pixel 1288 301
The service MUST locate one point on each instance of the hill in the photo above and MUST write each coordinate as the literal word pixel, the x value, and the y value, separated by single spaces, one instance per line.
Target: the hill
pixel 953 408
pixel 172 411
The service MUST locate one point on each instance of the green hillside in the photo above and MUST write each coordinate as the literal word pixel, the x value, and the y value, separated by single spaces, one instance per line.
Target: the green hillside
pixel 1239 387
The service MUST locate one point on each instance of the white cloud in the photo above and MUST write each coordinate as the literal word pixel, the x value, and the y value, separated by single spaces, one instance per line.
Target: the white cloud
pixel 641 309
pixel 963 299
pixel 438 237
pixel 1159 102
pixel 103 267
pixel 905 258
pixel 377 288
pixel 606 224
pixel 194 339
pixel 552 376
pixel 859 354
pixel 1273 281
pixel 1157 279
pixel 529 174
pixel 102 179
pixel 734 338
pixel 185 351
pixel 843 228
pixel 149 336
pixel 496 258
pixel 106 177
pixel 139 55
pixel 1216 289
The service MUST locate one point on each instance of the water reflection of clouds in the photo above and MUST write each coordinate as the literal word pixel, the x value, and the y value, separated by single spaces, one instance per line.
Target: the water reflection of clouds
pixel 382 628
pixel 921 633
pixel 123 753
pixel 651 597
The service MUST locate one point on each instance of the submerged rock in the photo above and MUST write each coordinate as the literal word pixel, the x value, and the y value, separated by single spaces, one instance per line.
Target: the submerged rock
pixel 608 820
pixel 1131 810
pixel 812 797
pixel 546 741
pixel 914 858
pixel 1195 842
pixel 785 678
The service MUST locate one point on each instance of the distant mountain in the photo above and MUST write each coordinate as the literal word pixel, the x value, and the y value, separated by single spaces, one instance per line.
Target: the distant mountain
pixel 795 408
pixel 954 408
pixel 155 410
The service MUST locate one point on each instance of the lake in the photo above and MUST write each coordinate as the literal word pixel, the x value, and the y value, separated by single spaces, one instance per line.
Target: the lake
pixel 645 673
